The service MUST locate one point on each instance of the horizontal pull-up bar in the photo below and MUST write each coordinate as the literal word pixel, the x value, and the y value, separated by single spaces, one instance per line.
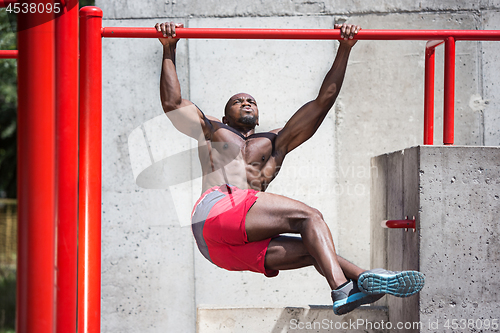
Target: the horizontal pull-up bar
pixel 244 33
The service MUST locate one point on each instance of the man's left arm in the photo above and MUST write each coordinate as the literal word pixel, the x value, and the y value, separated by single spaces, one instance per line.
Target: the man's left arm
pixel 309 117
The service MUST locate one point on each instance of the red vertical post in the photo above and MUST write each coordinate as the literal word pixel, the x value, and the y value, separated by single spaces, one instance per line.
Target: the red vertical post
pixel 430 65
pixel 67 164
pixel 89 231
pixel 36 173
pixel 449 92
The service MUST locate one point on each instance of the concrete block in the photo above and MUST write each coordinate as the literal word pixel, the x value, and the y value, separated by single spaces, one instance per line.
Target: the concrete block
pixel 458 227
pixel 290 319
pixel 453 192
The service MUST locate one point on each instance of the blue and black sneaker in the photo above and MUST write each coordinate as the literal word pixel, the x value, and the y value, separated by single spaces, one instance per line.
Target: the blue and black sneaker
pixel 348 297
pixel 400 284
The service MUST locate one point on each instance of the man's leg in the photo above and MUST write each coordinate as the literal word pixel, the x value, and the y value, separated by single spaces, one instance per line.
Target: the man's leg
pixel 286 252
pixel 274 214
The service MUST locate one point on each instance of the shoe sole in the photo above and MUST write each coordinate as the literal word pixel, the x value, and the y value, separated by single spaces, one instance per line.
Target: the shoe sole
pixel 346 305
pixel 402 284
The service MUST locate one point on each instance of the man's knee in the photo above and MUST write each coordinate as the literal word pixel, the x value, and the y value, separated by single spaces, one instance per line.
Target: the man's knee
pixel 312 217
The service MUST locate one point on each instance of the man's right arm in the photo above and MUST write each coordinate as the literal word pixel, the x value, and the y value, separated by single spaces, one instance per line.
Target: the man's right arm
pixel 185 116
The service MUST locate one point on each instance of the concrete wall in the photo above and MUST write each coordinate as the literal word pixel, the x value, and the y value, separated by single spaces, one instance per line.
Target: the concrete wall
pixel 153 276
pixel 454 194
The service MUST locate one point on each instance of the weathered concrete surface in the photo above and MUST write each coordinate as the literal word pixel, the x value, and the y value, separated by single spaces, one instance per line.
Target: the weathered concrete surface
pixel 147 258
pixel 489 102
pixel 454 193
pixel 239 8
pixel 297 319
pixel 459 232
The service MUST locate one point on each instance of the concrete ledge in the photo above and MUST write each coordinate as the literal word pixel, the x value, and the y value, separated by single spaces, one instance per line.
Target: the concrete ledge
pixel 289 319
pixel 454 194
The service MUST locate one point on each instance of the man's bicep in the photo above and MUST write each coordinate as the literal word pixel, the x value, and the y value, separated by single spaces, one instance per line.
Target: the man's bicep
pixel 189 120
pixel 301 127
pixel 295 131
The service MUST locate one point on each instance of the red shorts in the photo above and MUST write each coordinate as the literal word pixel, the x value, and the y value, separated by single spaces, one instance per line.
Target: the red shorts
pixel 218 223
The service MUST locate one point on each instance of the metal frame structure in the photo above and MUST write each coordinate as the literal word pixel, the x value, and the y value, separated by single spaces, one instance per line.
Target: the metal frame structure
pixel 435 38
pixel 47 167
pixel 48 150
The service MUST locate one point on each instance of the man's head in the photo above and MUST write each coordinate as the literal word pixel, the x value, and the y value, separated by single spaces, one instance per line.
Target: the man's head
pixel 241 112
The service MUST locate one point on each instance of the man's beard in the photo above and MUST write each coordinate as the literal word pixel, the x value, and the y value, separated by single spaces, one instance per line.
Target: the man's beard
pixel 249 120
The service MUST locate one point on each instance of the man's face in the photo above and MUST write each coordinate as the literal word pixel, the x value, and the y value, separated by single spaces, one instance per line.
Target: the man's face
pixel 241 111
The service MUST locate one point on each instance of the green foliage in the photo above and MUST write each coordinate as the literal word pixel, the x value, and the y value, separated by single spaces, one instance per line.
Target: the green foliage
pixel 8 110
pixel 7 300
pixel 86 3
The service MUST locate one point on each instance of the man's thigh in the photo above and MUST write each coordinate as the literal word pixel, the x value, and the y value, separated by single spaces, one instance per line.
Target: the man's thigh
pixel 274 214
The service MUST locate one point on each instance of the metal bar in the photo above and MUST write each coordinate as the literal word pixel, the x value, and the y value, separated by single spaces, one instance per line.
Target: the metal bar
pixel 8 54
pixel 430 65
pixel 241 33
pixel 67 164
pixel 449 92
pixel 5 3
pixel 89 235
pixel 399 224
pixel 36 173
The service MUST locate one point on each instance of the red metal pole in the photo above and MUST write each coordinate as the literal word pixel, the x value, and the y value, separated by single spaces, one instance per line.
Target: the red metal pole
pixel 430 65
pixel 89 234
pixel 429 97
pixel 36 173
pixel 8 54
pixel 449 92
pixel 242 33
pixel 67 164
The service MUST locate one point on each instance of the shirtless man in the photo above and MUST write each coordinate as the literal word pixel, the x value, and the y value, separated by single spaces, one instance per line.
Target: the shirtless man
pixel 237 225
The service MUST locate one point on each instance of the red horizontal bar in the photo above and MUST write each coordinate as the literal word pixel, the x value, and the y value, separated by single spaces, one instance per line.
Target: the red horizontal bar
pixel 8 54
pixel 398 224
pixel 243 33
pixel 5 3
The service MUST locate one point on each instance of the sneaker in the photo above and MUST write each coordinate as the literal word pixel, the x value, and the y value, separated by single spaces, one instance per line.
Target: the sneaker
pixel 399 284
pixel 349 298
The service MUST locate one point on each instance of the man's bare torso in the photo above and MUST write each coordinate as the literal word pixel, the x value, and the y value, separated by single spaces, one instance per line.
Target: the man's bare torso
pixel 228 157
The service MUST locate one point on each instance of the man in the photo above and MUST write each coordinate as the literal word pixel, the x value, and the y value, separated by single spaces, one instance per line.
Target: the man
pixel 236 224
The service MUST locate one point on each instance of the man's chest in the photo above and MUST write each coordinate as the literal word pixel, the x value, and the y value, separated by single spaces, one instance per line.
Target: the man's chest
pixel 254 151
